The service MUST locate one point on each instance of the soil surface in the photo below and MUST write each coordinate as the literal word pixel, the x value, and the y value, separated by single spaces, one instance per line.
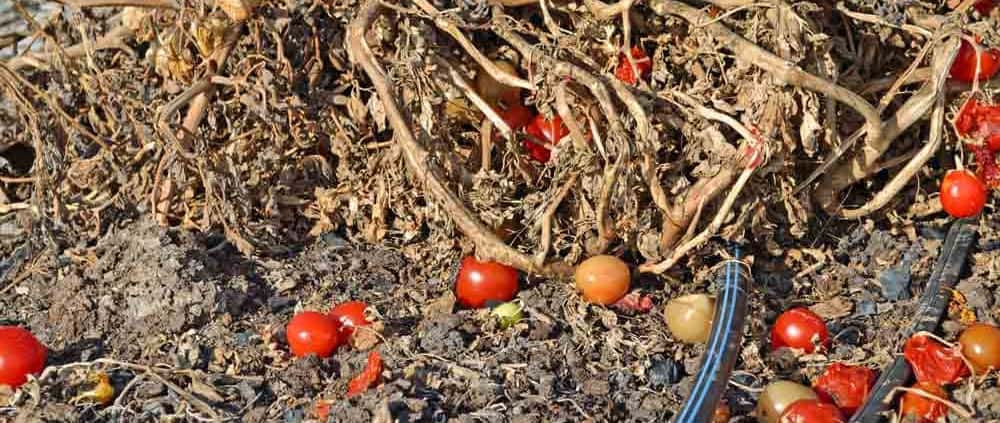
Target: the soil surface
pixel 211 323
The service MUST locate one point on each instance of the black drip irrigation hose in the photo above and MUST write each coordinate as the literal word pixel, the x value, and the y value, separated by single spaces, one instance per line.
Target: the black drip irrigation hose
pixel 723 346
pixel 935 299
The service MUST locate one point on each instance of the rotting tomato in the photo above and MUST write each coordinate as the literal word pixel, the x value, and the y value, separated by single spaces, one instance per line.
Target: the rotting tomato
pixel 312 332
pixel 516 115
pixel 20 355
pixel 986 165
pixel 643 65
pixel 368 377
pixel 544 133
pixel 933 361
pixel 480 282
pixel 963 194
pixel 812 411
pixel 603 279
pixel 926 409
pixel 981 346
pixel 846 386
pixel 350 315
pixel 799 328
pixel 964 67
pixel 980 121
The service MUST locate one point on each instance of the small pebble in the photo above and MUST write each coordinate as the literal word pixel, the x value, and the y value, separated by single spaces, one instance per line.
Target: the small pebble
pixel 864 308
pixel 662 373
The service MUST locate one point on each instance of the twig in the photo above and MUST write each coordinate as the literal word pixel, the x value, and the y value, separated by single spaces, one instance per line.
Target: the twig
pixel 943 58
pixel 956 408
pixel 546 238
pixel 562 107
pixel 717 222
pixel 679 217
pixel 605 234
pixel 878 20
pixel 484 62
pixel 418 159
pixel 603 11
pixel 478 101
pixel 114 38
pixel 155 4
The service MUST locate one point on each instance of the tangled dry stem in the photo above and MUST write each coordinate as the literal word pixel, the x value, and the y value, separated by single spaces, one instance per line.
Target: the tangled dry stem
pixel 423 169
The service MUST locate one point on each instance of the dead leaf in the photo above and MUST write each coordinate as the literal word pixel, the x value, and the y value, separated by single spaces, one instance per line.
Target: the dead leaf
pixel 833 309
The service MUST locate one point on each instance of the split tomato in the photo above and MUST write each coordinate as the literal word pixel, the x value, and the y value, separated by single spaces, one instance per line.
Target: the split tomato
pixel 845 385
pixel 812 411
pixel 368 377
pixel 349 315
pixel 933 361
pixel 980 121
pixel 20 355
pixel 925 409
pixel 543 133
pixel 480 282
pixel 963 194
pixel 801 329
pixel 312 332
pixel 964 67
pixel 629 75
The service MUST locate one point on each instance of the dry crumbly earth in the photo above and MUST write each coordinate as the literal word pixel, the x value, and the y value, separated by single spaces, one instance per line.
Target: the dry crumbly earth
pixel 212 323
pixel 172 265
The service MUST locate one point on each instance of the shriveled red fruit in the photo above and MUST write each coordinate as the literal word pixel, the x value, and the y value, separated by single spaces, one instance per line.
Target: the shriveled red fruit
pixel 479 282
pixel 629 75
pixel 933 361
pixel 981 346
pixel 20 355
pixel 516 116
pixel 312 332
pixel 963 194
pixel 368 377
pixel 349 315
pixel 801 329
pixel 981 122
pixel 544 132
pixel 812 411
pixel 987 167
pixel 845 385
pixel 927 409
pixel 964 66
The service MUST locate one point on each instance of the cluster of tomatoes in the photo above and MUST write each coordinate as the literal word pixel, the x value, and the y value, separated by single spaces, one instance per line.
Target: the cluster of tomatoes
pixel 834 396
pixel 21 355
pixel 320 334
pixel 541 135
pixel 937 364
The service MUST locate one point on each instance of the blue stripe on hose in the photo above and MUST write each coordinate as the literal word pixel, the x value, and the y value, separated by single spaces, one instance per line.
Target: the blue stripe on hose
pixel 715 353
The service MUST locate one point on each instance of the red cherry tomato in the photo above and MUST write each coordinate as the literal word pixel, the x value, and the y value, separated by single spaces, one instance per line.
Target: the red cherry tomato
pixel 643 65
pixel 312 332
pixel 844 385
pixel 812 411
pixel 544 132
pixel 480 282
pixel 963 194
pixel 932 361
pixel 964 67
pixel 984 6
pixel 799 328
pixel 368 377
pixel 516 116
pixel 20 355
pixel 928 410
pixel 349 315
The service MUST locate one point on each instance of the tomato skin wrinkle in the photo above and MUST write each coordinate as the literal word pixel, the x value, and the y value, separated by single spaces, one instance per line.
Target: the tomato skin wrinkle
pixel 643 65
pixel 927 409
pixel 479 282
pixel 368 377
pixel 20 355
pixel 845 385
pixel 797 328
pixel 812 411
pixel 312 332
pixel 964 67
pixel 933 361
pixel 962 194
